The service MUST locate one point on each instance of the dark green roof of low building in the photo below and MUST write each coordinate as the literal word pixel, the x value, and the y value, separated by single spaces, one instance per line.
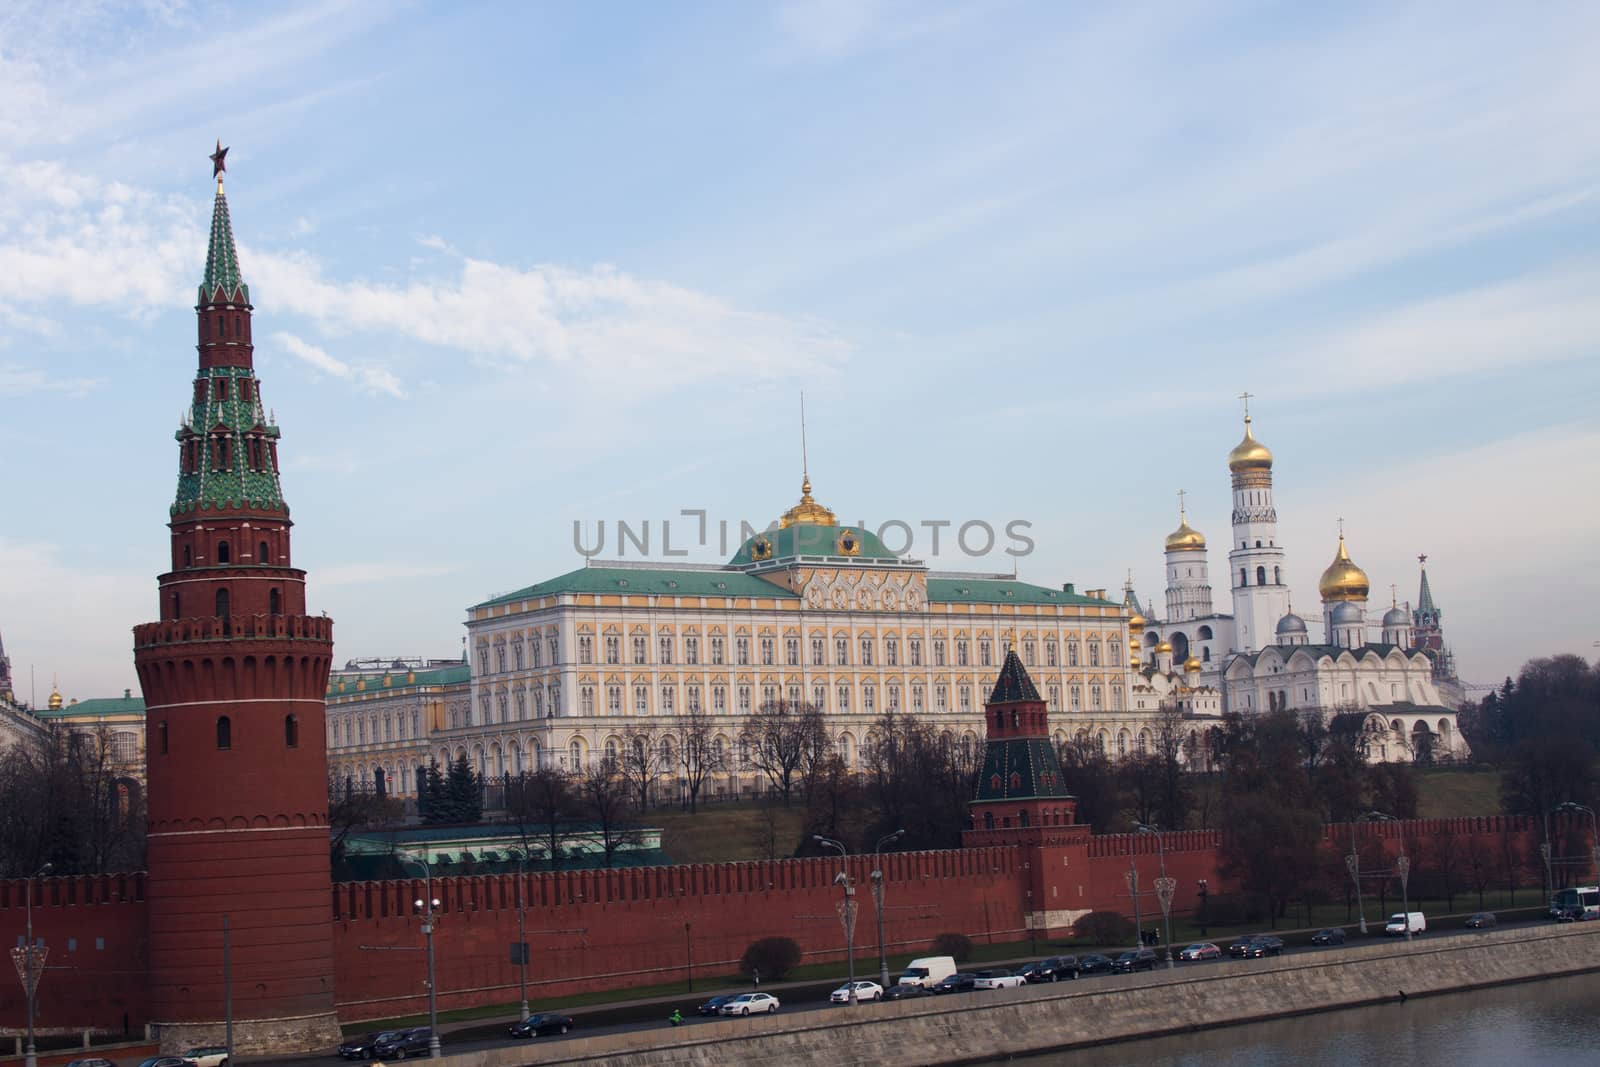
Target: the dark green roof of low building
pixel 128 704
pixel 636 581
pixel 961 590
pixel 455 674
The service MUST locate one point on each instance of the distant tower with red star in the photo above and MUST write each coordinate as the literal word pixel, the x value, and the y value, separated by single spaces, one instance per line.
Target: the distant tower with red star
pixel 234 677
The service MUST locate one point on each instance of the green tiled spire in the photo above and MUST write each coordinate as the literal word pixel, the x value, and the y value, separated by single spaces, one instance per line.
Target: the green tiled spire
pixel 248 479
pixel 222 260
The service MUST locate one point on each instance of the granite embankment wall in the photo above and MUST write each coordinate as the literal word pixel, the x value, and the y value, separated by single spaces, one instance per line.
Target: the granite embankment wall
pixel 981 1028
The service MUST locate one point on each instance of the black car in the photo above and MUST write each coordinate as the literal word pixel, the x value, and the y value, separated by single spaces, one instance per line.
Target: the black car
pixel 1483 920
pixel 1333 935
pixel 166 1061
pixel 1053 969
pixel 403 1043
pixel 360 1048
pixel 1137 959
pixel 1094 963
pixel 542 1025
pixel 905 991
pixel 960 982
pixel 1257 947
pixel 710 1007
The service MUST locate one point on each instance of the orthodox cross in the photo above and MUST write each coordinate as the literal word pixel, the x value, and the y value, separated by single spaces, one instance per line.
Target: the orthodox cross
pixel 1245 396
pixel 1181 494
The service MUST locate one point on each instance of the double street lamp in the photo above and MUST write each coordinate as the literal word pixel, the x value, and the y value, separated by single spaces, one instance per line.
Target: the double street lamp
pixel 29 958
pixel 1402 864
pixel 1165 887
pixel 877 902
pixel 847 909
pixel 430 919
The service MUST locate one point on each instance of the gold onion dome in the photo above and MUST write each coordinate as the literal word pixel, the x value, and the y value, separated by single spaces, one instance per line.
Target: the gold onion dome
pixel 1165 646
pixel 1343 580
pixel 1249 454
pixel 1185 538
pixel 1192 663
pixel 808 512
pixel 55 698
pixel 1136 622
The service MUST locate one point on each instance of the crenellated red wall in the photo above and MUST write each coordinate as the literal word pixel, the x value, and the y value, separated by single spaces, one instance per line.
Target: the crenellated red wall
pixel 604 929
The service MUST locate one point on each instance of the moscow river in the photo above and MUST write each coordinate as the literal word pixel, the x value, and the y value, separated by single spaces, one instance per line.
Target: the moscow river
pixel 1536 1024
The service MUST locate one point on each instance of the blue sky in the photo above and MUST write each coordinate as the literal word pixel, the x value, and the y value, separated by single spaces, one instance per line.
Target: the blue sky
pixel 517 265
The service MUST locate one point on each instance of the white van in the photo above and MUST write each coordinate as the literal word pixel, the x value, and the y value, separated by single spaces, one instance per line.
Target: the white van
pixel 929 971
pixel 1401 921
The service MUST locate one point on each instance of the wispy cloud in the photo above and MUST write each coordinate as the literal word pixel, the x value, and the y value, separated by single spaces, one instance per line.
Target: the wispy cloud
pixel 338 575
pixel 372 378
pixel 18 381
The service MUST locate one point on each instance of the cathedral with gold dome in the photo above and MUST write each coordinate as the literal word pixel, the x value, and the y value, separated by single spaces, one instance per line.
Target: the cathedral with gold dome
pixel 1370 676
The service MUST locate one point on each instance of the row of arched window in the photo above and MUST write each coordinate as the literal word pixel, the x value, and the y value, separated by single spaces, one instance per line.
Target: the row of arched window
pixel 224 726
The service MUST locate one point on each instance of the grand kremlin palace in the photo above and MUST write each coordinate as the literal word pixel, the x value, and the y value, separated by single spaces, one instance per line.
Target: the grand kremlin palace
pixel 810 611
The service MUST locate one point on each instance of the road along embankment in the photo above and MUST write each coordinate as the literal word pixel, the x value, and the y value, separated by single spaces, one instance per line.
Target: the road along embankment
pixel 985 1026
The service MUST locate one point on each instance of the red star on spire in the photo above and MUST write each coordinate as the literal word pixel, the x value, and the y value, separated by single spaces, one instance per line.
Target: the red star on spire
pixel 219 159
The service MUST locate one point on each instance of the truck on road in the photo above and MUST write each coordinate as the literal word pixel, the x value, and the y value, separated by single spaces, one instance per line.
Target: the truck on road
pixel 928 971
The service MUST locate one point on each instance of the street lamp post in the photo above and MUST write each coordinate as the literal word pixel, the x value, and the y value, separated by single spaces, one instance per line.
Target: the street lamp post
pixel 29 959
pixel 1132 878
pixel 522 940
pixel 877 903
pixel 1352 863
pixel 1165 888
pixel 1402 864
pixel 430 919
pixel 847 911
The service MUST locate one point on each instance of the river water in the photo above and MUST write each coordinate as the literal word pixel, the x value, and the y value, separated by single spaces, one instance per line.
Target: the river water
pixel 1535 1024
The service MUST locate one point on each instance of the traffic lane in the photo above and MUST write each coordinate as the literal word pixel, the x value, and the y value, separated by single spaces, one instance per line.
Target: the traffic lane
pixel 810 998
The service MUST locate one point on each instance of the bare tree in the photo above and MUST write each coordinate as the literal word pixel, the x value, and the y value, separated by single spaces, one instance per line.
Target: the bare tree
pixel 542 803
pixel 778 737
pixel 64 800
pixel 351 810
pixel 697 757
pixel 640 762
pixel 604 795
pixel 1480 866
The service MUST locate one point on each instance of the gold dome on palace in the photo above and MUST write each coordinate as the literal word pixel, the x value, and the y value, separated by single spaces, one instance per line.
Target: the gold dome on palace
pixel 1192 663
pixel 808 512
pixel 1343 580
pixel 1249 454
pixel 1136 622
pixel 1165 646
pixel 55 698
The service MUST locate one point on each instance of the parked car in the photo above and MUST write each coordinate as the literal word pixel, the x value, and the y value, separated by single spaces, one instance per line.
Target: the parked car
pixel 165 1061
pixel 711 1006
pixel 960 982
pixel 864 991
pixel 1332 935
pixel 542 1025
pixel 1053 969
pixel 1239 948
pixel 1200 950
pixel 997 978
pixel 360 1048
pixel 1094 963
pixel 750 1004
pixel 1402 921
pixel 403 1043
pixel 94 1062
pixel 906 991
pixel 1482 920
pixel 1137 959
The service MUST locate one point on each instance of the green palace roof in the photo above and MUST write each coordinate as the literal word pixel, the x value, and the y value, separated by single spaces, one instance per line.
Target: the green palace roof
pixel 640 581
pixel 455 674
pixel 126 704
pixel 980 590
pixel 809 539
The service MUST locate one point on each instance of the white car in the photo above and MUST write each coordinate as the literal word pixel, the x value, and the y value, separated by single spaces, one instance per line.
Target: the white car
pixel 864 991
pixel 750 1004
pixel 208 1056
pixel 998 978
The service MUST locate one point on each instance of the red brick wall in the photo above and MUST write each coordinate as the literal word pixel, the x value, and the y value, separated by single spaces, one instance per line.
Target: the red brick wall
pixel 94 928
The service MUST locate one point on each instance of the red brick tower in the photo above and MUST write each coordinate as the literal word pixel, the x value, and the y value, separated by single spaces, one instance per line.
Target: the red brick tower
pixel 1023 800
pixel 234 677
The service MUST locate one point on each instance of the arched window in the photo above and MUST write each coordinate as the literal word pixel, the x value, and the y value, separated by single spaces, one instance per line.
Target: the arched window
pixel 1277 576
pixel 291 731
pixel 224 732
pixel 188 556
pixel 275 602
pixel 163 732
pixel 1244 576
pixel 988 820
pixel 223 554
pixel 1261 576
pixel 1022 817
pixel 263 556
pixel 177 605
pixel 222 603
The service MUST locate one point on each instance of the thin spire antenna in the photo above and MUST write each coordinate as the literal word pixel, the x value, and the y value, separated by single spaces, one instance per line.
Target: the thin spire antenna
pixel 1182 514
pixel 805 462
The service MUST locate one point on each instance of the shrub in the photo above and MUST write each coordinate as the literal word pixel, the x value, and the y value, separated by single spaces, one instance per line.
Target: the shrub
pixel 956 946
pixel 1104 928
pixel 773 956
pixel 1233 909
